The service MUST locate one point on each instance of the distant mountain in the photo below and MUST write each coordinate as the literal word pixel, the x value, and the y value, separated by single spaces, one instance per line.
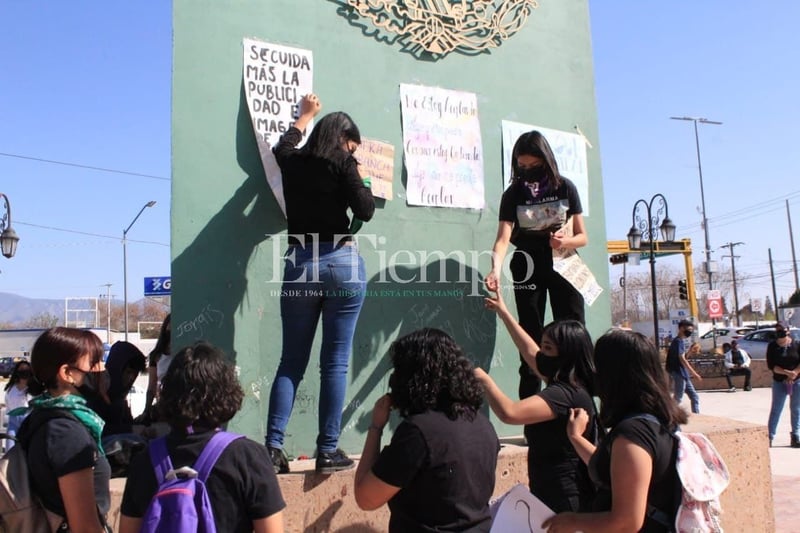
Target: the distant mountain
pixel 16 309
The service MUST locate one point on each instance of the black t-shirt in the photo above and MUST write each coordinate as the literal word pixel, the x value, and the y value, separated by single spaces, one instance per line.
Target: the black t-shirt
pixel 556 473
pixel 787 357
pixel 445 470
pixel 62 446
pixel 242 486
pixel 657 441
pixel 536 213
pixel 318 192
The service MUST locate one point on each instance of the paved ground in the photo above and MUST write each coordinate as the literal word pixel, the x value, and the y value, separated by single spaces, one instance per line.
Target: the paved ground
pixel 754 407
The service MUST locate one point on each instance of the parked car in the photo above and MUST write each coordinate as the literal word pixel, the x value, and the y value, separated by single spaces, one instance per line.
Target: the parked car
pixel 7 365
pixel 755 343
pixel 723 335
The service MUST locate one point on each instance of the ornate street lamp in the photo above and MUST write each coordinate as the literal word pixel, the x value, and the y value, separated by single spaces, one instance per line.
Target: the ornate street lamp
pixel 645 227
pixel 8 237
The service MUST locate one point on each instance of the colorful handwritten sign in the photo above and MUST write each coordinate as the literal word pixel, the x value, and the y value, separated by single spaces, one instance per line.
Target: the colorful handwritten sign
pixel 376 159
pixel 275 78
pixel 442 147
pixel 568 148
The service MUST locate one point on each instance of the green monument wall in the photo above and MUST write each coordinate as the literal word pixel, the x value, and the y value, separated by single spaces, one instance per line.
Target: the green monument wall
pixel 229 235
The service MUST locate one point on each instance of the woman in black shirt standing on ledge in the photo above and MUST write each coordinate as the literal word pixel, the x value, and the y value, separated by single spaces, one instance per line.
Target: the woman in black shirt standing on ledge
pixel 323 274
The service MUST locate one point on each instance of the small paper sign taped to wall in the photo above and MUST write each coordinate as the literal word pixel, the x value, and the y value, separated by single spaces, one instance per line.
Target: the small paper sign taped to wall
pixel 376 160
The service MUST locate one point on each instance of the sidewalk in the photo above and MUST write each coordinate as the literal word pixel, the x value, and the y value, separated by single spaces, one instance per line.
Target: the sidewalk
pixel 754 407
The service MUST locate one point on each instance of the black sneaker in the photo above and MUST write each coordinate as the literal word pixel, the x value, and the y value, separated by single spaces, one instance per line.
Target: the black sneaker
pixel 279 460
pixel 748 388
pixel 330 462
pixel 795 441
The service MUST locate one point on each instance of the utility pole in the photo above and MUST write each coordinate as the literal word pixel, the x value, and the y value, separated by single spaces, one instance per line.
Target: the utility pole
pixel 108 311
pixel 774 293
pixel 791 240
pixel 709 265
pixel 731 246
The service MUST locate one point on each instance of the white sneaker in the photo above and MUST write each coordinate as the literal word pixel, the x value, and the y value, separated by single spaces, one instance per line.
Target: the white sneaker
pixel 732 389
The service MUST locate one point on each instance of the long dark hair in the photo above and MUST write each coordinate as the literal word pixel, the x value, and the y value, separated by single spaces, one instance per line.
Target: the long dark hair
pixel 60 346
pixel 329 136
pixel 534 143
pixel 164 342
pixel 576 352
pixel 631 380
pixel 431 373
pixel 14 379
pixel 200 388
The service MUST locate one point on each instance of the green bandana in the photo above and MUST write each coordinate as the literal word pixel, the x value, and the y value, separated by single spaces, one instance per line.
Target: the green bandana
pixel 77 408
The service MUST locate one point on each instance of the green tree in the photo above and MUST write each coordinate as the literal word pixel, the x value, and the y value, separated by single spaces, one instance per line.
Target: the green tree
pixel 769 310
pixel 794 299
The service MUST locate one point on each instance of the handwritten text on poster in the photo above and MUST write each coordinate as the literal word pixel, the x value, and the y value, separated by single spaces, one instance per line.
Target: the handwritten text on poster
pixel 275 78
pixel 442 147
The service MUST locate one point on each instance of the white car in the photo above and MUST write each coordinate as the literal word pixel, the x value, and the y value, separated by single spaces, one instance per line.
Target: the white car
pixel 755 343
pixel 723 335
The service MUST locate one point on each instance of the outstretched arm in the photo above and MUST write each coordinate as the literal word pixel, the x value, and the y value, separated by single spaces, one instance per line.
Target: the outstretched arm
pixel 525 344
pixel 530 410
pixel 499 254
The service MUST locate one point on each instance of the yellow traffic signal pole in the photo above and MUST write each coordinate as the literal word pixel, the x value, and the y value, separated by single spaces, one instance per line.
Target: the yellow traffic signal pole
pixel 684 247
pixel 690 288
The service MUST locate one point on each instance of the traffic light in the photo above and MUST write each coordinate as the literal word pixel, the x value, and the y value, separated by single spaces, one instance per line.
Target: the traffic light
pixel 683 290
pixel 618 259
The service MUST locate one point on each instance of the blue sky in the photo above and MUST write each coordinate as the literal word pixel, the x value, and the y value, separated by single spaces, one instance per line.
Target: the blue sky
pixel 733 62
pixel 91 86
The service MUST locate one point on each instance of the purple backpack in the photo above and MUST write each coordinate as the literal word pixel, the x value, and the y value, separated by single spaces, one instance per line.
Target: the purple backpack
pixel 181 502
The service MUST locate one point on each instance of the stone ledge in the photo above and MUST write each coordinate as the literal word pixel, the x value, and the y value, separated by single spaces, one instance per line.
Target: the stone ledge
pixel 317 503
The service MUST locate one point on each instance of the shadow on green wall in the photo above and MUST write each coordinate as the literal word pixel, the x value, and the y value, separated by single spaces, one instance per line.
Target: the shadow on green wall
pixel 450 298
pixel 217 260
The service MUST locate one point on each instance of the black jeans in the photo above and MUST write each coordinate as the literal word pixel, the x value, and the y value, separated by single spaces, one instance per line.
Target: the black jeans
pixel 744 371
pixel 531 286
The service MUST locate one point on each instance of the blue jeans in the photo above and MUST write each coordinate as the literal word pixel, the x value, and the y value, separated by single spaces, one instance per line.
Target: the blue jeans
pixel 683 383
pixel 330 283
pixel 780 391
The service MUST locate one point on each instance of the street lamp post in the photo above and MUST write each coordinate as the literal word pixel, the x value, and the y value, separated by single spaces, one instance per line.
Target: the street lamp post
pixel 708 264
pixel 8 237
pixel 646 227
pixel 151 203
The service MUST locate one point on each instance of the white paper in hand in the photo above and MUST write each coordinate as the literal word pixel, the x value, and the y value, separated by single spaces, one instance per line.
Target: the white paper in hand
pixel 519 510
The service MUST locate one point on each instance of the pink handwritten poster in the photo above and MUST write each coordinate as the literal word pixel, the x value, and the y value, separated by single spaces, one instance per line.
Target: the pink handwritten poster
pixel 442 147
pixel 376 160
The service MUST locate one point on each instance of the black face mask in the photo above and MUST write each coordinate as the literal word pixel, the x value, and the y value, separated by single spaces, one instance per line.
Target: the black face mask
pixel 688 332
pixel 548 366
pixel 90 388
pixel 531 175
pixel 782 334
pixel 24 374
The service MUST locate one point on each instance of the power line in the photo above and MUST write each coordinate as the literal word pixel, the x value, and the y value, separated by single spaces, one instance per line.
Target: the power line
pixel 90 167
pixel 53 228
pixel 758 208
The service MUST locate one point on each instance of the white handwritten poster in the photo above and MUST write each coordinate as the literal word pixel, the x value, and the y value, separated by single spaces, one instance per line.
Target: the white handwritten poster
pixel 568 148
pixel 519 510
pixel 275 79
pixel 377 161
pixel 442 147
